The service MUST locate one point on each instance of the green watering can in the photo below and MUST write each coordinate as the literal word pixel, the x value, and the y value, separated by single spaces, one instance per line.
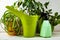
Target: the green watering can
pixel 46 30
pixel 29 22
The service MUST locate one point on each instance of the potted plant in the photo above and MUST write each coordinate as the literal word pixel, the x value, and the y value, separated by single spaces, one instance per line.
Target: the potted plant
pixel 32 8
pixel 12 24
pixel 47 12
pixel 48 24
pixel 54 20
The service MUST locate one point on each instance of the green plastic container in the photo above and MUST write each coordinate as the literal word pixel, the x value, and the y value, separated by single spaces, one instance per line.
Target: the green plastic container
pixel 46 30
pixel 29 22
pixel 29 26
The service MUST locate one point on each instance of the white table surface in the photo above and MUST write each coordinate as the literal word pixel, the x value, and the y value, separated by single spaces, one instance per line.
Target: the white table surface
pixel 55 36
pixel 5 36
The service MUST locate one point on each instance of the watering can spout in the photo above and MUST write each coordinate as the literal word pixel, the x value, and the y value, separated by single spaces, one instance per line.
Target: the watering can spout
pixel 19 14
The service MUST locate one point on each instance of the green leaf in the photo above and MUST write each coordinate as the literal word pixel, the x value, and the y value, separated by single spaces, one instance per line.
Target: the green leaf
pixel 15 3
pixel 41 4
pixel 58 21
pixel 46 4
pixel 56 14
pixel 58 17
pixel 50 10
pixel 42 9
pixel 19 4
pixel 24 4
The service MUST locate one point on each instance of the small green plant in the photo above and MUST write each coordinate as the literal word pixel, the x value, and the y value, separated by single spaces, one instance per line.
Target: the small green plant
pixel 55 19
pixel 12 23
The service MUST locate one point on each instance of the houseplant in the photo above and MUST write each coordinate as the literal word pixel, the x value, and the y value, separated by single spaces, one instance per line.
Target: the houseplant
pixel 32 7
pixel 54 20
pixel 28 22
pixel 12 24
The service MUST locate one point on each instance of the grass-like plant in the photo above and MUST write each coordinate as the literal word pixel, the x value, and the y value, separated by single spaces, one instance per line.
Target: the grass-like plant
pixel 12 24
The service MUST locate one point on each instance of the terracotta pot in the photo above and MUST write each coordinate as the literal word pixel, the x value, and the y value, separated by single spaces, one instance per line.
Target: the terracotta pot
pixel 12 33
pixel 10 30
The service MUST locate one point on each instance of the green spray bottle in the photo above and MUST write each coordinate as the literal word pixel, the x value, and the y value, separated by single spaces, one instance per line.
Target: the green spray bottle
pixel 46 30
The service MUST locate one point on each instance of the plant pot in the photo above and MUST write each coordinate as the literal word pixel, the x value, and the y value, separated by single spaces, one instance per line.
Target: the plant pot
pixel 12 33
pixel 52 27
pixel 46 30
pixel 29 26
pixel 10 30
